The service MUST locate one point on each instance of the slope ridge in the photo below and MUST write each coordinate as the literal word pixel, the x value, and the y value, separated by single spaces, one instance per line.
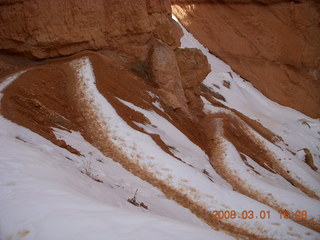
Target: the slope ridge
pixel 122 115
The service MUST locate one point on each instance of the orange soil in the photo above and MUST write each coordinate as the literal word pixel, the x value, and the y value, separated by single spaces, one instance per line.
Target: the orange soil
pixel 235 132
pixel 48 96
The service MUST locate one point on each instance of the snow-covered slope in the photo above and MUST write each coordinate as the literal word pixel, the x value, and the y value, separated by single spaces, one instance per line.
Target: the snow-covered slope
pixel 297 130
pixel 44 195
pixel 79 187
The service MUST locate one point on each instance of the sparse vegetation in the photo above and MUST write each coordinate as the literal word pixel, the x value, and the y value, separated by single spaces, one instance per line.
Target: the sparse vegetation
pixel 19 138
pixel 88 170
pixel 99 160
pixel 215 85
pixel 172 148
pixel 227 84
pixel 217 95
pixel 305 123
pixel 134 201
pixel 204 171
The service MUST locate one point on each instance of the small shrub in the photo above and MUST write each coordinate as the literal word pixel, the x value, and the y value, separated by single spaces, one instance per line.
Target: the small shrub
pixel 205 172
pixel 19 138
pixel 305 123
pixel 100 160
pixel 209 90
pixel 215 85
pixel 227 84
pixel 88 170
pixel 172 148
pixel 134 201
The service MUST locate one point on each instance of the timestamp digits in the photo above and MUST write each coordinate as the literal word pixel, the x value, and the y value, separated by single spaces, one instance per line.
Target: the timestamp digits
pixel 297 215
pixel 232 214
pixel 250 214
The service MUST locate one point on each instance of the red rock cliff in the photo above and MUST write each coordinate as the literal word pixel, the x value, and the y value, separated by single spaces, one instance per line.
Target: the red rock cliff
pixel 44 29
pixel 273 44
pixel 139 34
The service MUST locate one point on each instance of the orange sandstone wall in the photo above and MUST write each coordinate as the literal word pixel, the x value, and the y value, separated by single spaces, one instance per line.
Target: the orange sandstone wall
pixel 273 44
pixel 44 29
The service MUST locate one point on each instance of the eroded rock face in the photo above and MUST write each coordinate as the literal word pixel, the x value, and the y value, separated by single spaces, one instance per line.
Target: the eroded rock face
pixel 140 34
pixel 166 75
pixel 165 29
pixel 44 29
pixel 178 73
pixel 273 44
pixel 193 67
